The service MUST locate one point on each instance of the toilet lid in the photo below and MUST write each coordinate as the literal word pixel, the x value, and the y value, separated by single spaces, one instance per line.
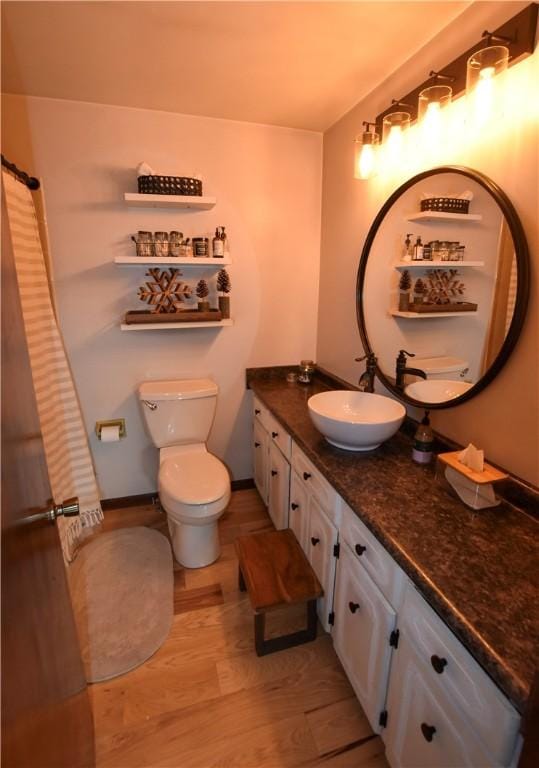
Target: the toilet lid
pixel 194 478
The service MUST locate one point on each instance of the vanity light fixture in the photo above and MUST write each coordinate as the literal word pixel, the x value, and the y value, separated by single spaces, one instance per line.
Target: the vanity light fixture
pixel 394 129
pixel 482 68
pixel 366 152
pixel 473 72
pixel 430 106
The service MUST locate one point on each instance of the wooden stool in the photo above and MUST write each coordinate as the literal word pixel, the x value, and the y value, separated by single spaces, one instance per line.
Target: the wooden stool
pixel 275 572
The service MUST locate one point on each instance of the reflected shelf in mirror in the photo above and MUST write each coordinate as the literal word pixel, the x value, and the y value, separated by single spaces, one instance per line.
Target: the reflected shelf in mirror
pixel 428 315
pixel 426 264
pixel 441 216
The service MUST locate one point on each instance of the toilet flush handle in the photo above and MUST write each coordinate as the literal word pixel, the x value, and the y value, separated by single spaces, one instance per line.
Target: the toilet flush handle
pixel 150 405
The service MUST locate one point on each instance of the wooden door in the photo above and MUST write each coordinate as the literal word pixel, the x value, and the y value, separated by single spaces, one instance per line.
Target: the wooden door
pixel 323 536
pixel 46 716
pixel 363 624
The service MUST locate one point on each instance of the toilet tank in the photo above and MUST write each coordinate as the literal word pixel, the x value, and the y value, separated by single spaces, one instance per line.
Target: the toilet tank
pixel 183 412
pixel 452 368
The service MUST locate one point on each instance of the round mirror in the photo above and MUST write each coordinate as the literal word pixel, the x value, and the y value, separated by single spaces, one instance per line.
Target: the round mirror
pixel 442 286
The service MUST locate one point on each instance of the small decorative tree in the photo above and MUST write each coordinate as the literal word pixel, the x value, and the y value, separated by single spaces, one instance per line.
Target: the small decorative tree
pixel 202 292
pixel 419 291
pixel 224 286
pixel 405 283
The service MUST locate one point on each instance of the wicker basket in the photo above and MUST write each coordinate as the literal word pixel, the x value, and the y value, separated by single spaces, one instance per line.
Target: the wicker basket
pixel 445 204
pixel 169 185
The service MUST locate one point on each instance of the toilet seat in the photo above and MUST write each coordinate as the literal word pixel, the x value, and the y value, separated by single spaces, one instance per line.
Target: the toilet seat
pixel 193 486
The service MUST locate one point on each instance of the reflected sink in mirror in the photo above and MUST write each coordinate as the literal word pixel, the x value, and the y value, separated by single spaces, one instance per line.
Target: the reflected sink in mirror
pixel 436 390
pixel 355 421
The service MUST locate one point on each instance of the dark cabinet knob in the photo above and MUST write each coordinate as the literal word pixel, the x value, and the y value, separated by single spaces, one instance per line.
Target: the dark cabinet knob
pixel 257 445
pixel 306 475
pixel 360 549
pixel 294 506
pixel 353 606
pixel 257 411
pixel 438 663
pixel 275 434
pixel 274 472
pixel 428 731
pixel 314 541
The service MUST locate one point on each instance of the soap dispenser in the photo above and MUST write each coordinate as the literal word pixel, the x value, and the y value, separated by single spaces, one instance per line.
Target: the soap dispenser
pixel 423 441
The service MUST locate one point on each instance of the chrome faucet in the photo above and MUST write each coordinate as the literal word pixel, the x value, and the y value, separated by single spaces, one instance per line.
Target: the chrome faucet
pixel 366 380
pixel 402 369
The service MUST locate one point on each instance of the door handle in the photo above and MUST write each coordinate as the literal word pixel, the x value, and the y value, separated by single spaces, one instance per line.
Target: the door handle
pixel 274 472
pixel 294 506
pixel 428 731
pixel 68 508
pixel 257 445
pixel 353 606
pixel 275 434
pixel 438 663
pixel 314 541
pixel 306 475
pixel 360 549
pixel 257 411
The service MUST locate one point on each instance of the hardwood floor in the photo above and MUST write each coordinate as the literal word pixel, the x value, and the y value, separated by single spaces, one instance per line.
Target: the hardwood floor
pixel 205 700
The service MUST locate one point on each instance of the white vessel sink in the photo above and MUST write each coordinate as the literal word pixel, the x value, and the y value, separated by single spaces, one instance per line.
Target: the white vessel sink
pixel 436 390
pixel 355 421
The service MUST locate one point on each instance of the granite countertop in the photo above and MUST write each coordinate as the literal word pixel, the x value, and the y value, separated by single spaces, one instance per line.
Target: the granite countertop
pixel 478 570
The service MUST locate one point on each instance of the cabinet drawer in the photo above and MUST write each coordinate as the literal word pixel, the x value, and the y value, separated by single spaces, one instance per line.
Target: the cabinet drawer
pixel 449 664
pixel 279 436
pixel 318 486
pixel 377 562
pixel 260 413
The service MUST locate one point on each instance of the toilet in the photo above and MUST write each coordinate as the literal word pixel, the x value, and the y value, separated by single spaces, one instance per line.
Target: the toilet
pixel 194 485
pixel 447 368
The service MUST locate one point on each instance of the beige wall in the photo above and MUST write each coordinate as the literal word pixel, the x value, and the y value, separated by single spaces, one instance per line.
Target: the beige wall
pixel 504 419
pixel 267 182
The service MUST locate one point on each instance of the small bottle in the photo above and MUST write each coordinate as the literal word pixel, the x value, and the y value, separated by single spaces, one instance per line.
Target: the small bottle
pixel 418 250
pixel 218 245
pixel 225 241
pixel 423 442
pixel 408 248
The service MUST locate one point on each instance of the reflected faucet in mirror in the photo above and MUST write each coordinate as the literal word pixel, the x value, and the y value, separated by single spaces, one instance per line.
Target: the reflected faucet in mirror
pixel 366 380
pixel 402 369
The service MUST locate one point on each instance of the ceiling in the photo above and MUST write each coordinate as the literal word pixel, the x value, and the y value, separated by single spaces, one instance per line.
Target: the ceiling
pixel 296 64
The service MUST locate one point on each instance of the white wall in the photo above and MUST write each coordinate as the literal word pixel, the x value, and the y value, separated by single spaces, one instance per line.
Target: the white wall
pixel 267 182
pixel 503 419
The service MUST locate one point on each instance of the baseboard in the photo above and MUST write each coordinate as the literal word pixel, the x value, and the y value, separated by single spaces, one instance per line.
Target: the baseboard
pixel 152 498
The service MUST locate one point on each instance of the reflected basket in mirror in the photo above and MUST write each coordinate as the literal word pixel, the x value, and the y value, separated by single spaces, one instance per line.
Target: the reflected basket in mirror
pixel 446 204
pixel 169 185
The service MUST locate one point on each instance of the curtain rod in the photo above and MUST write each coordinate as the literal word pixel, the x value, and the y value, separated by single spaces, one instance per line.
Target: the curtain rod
pixel 30 181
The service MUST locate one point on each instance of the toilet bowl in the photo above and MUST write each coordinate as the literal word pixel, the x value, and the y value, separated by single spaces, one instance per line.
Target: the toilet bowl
pixel 193 484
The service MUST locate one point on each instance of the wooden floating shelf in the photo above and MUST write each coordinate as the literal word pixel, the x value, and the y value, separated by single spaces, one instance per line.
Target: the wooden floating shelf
pixel 421 315
pixel 442 216
pixel 175 326
pixel 196 202
pixel 425 264
pixel 172 261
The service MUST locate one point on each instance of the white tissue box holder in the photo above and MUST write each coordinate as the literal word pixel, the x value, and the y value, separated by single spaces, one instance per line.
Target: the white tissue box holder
pixel 475 489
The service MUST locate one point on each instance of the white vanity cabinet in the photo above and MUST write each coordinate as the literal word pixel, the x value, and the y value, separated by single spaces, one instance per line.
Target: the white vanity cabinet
pixel 368 592
pixel 316 515
pixel 442 708
pixel 272 447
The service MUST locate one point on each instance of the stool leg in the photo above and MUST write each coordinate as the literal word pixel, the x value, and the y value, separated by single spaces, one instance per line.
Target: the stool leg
pixel 260 626
pixel 241 581
pixel 312 620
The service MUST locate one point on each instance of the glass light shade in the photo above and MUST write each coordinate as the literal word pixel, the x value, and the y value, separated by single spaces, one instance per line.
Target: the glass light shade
pixel 482 69
pixel 366 155
pixel 431 101
pixel 394 129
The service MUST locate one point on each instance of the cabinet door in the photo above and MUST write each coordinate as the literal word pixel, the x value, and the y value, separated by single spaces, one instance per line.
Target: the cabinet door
pixel 279 486
pixel 424 728
pixel 323 537
pixel 364 621
pixel 298 516
pixel 260 459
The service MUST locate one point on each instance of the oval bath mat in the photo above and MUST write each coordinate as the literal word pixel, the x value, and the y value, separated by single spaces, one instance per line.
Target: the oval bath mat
pixel 122 591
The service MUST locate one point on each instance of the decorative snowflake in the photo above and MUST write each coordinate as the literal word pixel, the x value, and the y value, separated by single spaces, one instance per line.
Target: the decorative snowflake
pixel 166 293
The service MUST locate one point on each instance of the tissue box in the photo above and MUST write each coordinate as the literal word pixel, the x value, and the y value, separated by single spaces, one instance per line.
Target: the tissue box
pixel 475 489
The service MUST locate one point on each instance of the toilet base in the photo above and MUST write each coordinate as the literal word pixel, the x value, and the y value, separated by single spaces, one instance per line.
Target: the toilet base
pixel 194 546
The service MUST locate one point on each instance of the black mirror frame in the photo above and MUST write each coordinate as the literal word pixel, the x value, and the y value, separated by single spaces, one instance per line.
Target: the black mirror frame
pixel 523 282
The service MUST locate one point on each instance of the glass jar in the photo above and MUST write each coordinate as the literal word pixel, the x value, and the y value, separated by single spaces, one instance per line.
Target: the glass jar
pixel 161 245
pixel 435 250
pixel 200 246
pixel 444 250
pixel 306 370
pixel 175 242
pixel 144 244
pixel 453 251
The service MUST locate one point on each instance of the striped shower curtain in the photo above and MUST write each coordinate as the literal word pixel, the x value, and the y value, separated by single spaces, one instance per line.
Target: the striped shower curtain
pixel 69 461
